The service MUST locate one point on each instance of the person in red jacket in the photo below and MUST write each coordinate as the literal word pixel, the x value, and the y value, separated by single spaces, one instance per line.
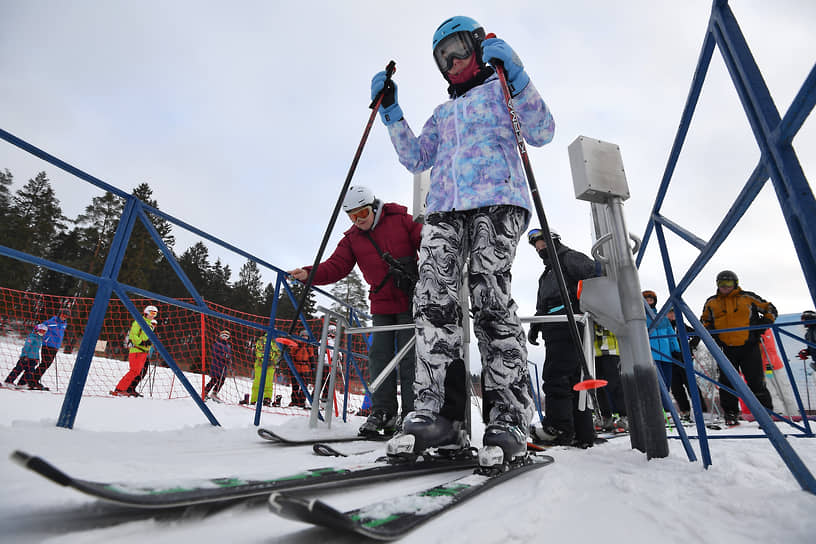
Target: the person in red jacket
pixel 383 241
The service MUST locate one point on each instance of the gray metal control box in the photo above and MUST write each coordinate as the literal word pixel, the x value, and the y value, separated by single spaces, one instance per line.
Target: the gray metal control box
pixel 597 170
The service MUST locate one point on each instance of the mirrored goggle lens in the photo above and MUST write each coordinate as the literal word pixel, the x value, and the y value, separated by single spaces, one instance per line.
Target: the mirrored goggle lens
pixel 362 213
pixel 725 283
pixel 455 46
pixel 534 235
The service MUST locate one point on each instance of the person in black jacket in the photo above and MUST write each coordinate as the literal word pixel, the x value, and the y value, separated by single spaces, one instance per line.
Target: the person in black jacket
pixel 564 423
pixel 810 336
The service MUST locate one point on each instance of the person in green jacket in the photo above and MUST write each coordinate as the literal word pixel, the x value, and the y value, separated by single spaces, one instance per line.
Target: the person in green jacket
pixel 607 366
pixel 274 357
pixel 139 345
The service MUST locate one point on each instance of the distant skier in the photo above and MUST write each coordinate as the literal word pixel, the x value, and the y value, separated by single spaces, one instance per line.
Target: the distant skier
pixel 29 357
pixel 303 358
pixel 478 206
pixel 611 401
pixel 810 336
pixel 52 341
pixel 269 384
pixel 139 346
pixel 221 361
pixel 663 341
pixel 150 354
pixel 732 308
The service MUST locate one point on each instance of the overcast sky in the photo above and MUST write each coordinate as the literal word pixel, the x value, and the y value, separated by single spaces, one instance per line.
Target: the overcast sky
pixel 244 116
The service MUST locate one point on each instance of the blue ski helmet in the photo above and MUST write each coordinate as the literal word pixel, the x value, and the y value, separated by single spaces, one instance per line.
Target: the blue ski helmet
pixel 470 32
pixel 460 23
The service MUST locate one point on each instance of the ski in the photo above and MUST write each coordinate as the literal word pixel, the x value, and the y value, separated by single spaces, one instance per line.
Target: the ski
pixel 281 438
pixel 393 518
pixel 214 490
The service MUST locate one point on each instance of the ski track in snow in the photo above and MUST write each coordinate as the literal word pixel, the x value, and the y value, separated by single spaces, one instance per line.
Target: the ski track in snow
pixel 608 493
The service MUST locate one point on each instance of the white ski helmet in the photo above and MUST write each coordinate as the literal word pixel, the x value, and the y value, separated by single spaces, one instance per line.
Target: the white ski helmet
pixel 357 196
pixel 151 309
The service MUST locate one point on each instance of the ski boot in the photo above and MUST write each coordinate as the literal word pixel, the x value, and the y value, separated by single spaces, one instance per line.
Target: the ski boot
pixel 378 421
pixel 731 420
pixel 504 445
pixel 277 402
pixel 606 424
pixel 550 436
pixel 422 431
pixel 621 424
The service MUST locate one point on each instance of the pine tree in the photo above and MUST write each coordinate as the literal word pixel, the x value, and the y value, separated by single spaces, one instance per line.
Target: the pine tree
pixel 195 264
pixel 267 298
pixel 286 308
pixel 68 250
pixel 6 179
pixel 32 225
pixel 352 291
pixel 219 289
pixel 143 256
pixel 97 227
pixel 247 290
pixel 94 233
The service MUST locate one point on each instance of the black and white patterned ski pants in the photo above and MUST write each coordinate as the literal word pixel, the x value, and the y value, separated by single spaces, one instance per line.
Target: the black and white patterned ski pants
pixel 484 240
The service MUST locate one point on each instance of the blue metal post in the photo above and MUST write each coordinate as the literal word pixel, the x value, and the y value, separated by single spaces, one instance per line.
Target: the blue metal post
pixel 688 364
pixel 113 263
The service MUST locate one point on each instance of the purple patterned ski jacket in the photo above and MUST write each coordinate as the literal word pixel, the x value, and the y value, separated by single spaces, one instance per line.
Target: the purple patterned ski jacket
pixel 470 145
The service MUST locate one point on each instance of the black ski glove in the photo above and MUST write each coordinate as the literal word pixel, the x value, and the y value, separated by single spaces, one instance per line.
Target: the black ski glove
pixel 532 336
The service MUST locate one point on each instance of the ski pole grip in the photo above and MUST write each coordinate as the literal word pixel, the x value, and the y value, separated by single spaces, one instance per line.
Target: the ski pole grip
pixel 389 71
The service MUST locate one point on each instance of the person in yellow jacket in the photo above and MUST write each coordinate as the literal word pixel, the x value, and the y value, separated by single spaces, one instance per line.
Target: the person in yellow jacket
pixel 731 308
pixel 274 357
pixel 139 346
pixel 607 367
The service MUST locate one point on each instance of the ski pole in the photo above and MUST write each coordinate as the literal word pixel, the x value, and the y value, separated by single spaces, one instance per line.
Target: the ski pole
pixel 589 382
pixel 375 106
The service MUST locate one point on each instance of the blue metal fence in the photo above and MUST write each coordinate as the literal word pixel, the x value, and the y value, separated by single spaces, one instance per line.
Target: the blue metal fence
pixel 774 135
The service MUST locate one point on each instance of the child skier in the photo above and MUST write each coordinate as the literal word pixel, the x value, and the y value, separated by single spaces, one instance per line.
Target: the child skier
pixel 477 208
pixel 29 358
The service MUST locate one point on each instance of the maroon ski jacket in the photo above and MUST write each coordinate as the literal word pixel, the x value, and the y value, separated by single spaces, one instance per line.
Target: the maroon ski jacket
pixel 395 233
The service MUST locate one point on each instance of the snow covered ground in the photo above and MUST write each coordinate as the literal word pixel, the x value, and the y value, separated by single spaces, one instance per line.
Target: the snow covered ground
pixel 609 493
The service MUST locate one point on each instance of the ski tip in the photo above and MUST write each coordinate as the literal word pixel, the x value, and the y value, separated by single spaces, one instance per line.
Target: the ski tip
pixel 287 506
pixel 41 467
pixel 20 457
pixel 325 450
pixel 268 435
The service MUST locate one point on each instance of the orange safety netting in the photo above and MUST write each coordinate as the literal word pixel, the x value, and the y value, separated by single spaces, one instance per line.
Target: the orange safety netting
pixel 187 335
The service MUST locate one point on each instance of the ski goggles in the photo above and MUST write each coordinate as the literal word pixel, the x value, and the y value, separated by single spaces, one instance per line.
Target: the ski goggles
pixel 455 46
pixel 362 213
pixel 726 283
